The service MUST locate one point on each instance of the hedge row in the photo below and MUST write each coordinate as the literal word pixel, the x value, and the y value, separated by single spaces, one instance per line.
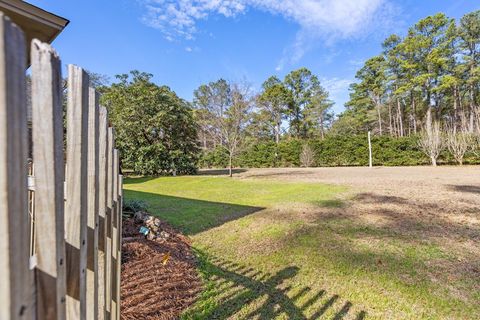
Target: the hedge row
pixel 331 151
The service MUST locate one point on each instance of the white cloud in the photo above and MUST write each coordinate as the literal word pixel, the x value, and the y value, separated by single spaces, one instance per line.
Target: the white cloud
pixel 188 49
pixel 338 18
pixel 329 20
pixel 338 90
pixel 335 85
pixel 178 18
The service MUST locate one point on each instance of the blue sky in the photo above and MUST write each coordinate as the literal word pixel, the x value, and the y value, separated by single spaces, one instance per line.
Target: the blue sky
pixel 187 43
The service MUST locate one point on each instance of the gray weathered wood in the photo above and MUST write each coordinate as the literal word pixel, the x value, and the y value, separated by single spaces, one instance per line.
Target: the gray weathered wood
pixel 102 207
pixel 108 224
pixel 93 195
pixel 119 253
pixel 77 188
pixel 115 231
pixel 47 134
pixel 16 289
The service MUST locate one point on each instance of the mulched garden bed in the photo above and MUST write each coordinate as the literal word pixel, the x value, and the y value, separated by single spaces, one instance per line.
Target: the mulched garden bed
pixel 159 277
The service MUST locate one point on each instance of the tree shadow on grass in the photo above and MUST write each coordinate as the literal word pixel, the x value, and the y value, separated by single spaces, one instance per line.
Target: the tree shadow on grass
pixel 423 218
pixel 280 174
pixel 191 216
pixel 241 291
pixel 138 180
pixel 219 172
pixel 465 188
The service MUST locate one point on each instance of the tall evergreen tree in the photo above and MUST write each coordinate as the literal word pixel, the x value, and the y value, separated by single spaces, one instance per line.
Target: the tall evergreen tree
pixel 300 83
pixel 274 102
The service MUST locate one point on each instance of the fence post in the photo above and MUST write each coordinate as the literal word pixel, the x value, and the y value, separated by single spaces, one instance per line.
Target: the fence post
pixel 102 207
pixel 119 253
pixel 76 200
pixel 16 289
pixel 115 231
pixel 47 134
pixel 108 225
pixel 92 221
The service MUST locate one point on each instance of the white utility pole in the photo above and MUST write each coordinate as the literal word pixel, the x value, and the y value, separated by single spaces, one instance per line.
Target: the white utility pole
pixel 369 151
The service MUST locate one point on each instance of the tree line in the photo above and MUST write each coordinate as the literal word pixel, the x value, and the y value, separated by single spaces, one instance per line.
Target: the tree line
pixel 430 75
pixel 424 86
pixel 230 114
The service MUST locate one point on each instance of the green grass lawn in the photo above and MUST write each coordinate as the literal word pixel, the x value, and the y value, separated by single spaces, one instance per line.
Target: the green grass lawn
pixel 286 250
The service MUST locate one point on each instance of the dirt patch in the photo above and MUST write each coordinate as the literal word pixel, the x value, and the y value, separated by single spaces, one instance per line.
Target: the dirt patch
pixel 159 278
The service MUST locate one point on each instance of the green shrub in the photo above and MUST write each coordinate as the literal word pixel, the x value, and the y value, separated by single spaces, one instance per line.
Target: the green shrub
pixel 134 205
pixel 216 158
pixel 334 150
pixel 341 151
pixel 404 151
pixel 259 155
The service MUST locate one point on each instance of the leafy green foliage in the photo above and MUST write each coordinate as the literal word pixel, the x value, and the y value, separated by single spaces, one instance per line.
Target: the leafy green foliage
pixel 226 112
pixel 135 205
pixel 429 75
pixel 155 130
pixel 214 158
pixel 334 150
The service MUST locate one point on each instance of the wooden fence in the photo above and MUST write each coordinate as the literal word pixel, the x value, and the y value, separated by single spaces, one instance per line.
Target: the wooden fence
pixel 60 191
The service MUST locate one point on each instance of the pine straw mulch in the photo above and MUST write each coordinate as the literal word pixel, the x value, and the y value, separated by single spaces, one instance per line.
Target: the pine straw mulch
pixel 159 277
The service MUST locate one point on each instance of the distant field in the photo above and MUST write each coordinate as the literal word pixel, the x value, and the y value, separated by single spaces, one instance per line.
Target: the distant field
pixel 334 243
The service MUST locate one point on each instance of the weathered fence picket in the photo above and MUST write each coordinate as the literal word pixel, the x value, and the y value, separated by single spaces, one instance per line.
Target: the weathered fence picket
pixel 77 189
pixel 16 279
pixel 109 225
pixel 61 246
pixel 119 240
pixel 47 135
pixel 102 208
pixel 115 233
pixel 92 220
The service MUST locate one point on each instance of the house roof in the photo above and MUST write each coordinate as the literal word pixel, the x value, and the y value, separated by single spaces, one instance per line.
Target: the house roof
pixel 34 21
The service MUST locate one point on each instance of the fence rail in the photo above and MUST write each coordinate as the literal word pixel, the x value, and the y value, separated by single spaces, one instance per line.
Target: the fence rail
pixel 60 191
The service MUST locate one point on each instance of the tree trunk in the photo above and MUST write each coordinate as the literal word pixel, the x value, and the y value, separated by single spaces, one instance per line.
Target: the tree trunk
pixel 379 118
pixel 322 130
pixel 277 133
pixel 400 117
pixel 230 165
pixel 472 111
pixel 428 120
pixel 455 110
pixel 434 161
pixel 390 119
pixel 414 114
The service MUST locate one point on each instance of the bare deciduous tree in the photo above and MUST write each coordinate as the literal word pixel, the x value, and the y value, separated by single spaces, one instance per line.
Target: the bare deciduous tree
pixel 234 120
pixel 225 108
pixel 475 139
pixel 458 141
pixel 431 141
pixel 307 156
